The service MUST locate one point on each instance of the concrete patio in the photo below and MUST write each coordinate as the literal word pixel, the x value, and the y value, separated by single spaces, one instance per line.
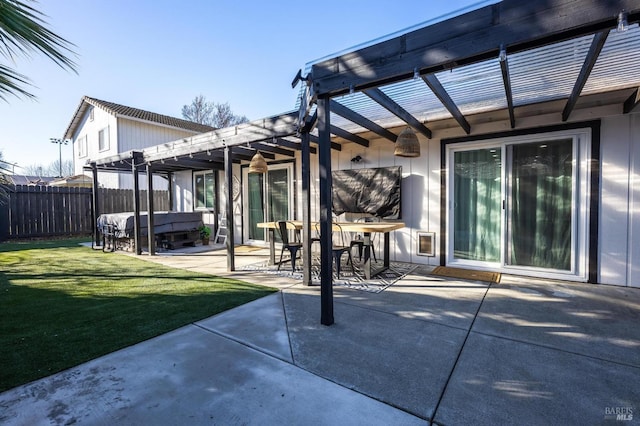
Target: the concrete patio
pixel 427 349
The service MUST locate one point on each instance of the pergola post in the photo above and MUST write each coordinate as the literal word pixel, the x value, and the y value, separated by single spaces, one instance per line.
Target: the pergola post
pixel 228 173
pixel 95 207
pixel 135 158
pixel 151 235
pixel 326 225
pixel 306 206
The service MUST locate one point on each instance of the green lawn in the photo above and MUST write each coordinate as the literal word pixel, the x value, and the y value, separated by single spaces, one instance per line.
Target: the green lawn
pixel 62 304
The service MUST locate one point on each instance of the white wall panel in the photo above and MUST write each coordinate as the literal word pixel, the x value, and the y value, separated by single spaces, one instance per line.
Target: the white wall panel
pixel 614 200
pixel 182 191
pixel 634 202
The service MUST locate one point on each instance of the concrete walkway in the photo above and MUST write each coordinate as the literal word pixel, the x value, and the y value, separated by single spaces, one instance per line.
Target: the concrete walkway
pixel 425 350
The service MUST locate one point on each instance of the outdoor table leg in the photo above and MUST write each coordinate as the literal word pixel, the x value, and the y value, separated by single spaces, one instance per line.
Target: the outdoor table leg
pixel 386 250
pixel 367 255
pixel 272 247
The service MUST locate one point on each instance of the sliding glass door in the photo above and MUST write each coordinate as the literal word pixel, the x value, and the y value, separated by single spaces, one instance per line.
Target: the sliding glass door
pixel 519 205
pixel 268 198
pixel 540 205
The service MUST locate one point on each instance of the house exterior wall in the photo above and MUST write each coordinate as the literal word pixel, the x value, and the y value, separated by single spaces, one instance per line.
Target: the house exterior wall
pixel 124 135
pixel 85 143
pixel 619 197
pixel 136 134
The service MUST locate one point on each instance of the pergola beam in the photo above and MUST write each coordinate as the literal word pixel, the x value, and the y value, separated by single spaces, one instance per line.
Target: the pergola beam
pixel 380 97
pixel 294 145
pixel 334 145
pixel 250 152
pixel 266 147
pixel 361 121
pixel 506 81
pixel 440 92
pixel 590 60
pixel 341 133
pixel 466 39
pixel 632 102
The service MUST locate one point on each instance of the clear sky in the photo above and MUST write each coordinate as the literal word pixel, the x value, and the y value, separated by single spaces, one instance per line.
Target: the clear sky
pixel 158 55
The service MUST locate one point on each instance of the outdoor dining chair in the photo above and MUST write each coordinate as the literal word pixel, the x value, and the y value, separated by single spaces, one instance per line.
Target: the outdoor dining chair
pixel 293 247
pixel 337 250
pixel 358 241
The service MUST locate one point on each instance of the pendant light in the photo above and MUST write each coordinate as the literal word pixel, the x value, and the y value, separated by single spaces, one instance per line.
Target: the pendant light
pixel 407 144
pixel 258 164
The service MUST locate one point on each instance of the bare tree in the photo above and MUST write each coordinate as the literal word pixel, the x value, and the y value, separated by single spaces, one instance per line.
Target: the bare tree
pixel 200 111
pixel 224 117
pixel 52 169
pixel 23 31
pixel 211 114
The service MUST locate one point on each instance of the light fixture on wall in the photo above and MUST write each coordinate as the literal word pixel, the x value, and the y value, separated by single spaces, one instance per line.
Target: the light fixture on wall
pixel 623 23
pixel 356 159
pixel 258 164
pixel 407 144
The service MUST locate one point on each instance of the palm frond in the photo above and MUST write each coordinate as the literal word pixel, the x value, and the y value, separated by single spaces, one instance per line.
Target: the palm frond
pixel 11 83
pixel 22 32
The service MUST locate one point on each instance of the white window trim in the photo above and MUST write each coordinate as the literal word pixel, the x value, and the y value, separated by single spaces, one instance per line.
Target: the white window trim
pixel 82 147
pixel 106 139
pixel 195 201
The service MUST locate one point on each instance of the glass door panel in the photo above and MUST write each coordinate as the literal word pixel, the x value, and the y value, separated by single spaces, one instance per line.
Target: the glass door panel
pixel 268 199
pixel 255 205
pixel 540 204
pixel 477 205
pixel 278 196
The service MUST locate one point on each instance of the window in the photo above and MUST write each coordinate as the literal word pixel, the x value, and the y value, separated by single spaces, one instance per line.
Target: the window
pixel 204 189
pixel 91 114
pixel 103 139
pixel 82 146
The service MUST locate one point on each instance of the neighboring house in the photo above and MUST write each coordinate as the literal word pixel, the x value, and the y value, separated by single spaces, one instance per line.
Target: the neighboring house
pixel 100 128
pixel 77 181
pixel 30 180
pixel 529 153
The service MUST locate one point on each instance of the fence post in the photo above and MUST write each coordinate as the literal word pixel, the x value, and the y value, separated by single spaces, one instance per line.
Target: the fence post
pixel 4 213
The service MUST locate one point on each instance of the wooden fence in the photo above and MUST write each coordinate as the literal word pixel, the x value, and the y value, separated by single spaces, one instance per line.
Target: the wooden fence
pixel 44 211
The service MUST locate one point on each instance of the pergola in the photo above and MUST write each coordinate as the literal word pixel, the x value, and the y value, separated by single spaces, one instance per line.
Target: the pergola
pixel 510 60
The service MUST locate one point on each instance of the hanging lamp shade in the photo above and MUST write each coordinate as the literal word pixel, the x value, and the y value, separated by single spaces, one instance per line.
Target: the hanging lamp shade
pixel 407 144
pixel 258 164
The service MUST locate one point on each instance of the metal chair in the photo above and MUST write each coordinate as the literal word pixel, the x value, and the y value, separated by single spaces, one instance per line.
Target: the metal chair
pixel 358 241
pixel 293 247
pixel 337 250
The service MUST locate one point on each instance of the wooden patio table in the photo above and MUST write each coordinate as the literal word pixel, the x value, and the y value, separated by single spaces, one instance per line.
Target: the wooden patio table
pixel 366 228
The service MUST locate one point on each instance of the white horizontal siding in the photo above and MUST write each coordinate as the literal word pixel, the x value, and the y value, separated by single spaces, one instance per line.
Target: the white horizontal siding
pixel 134 134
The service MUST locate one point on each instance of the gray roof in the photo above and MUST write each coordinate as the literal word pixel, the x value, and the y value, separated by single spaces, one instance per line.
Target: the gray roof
pixel 30 180
pixel 130 112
